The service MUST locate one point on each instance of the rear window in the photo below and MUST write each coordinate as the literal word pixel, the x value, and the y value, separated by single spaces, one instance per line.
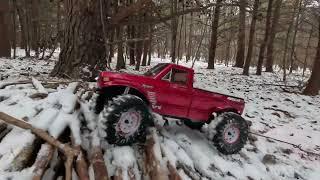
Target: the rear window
pixel 156 69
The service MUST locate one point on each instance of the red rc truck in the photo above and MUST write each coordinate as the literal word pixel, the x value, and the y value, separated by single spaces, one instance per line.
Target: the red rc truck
pixel 126 102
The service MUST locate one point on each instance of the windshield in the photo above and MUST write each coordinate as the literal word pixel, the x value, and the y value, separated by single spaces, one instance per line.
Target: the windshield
pixel 156 69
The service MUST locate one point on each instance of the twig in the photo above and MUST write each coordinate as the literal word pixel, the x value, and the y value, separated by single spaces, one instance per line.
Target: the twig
pixel 285 142
pixel 98 164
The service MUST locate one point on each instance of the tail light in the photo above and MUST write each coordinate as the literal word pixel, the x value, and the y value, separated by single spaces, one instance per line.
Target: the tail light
pixel 105 79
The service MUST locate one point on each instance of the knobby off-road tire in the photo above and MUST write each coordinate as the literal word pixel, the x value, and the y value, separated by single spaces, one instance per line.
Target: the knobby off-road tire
pixel 231 133
pixel 127 118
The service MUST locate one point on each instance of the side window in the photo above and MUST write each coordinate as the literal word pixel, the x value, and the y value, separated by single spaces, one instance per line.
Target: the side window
pixel 167 76
pixel 179 76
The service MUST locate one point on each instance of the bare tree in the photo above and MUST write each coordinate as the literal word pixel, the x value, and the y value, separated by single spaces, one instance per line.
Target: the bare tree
pixel 251 37
pixel 266 38
pixel 214 35
pixel 273 32
pixel 241 34
pixel 313 86
pixel 82 47
pixel 5 49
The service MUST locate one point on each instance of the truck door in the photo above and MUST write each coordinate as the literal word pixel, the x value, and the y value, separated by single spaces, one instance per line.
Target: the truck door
pixel 176 98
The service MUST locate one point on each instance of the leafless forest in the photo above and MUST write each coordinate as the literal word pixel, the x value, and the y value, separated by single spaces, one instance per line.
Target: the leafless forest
pixel 271 35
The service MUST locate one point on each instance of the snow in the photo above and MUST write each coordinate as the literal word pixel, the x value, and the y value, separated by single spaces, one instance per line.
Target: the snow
pixel 290 117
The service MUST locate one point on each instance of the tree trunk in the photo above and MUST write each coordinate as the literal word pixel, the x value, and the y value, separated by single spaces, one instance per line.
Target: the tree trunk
pixel 251 37
pixel 82 47
pixel 266 38
pixel 273 32
pixel 5 49
pixel 313 86
pixel 214 35
pixel 139 46
pixel 174 30
pixel 241 35
pixel 307 52
pixel 286 43
pixel 291 59
pixel 14 36
pixel 22 24
pixel 188 56
pixel 150 44
pixel 131 45
pixel 120 60
pixel 145 47
pixel 35 26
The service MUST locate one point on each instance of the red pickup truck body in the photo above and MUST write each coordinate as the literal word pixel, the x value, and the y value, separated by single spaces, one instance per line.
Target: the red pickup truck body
pixel 180 100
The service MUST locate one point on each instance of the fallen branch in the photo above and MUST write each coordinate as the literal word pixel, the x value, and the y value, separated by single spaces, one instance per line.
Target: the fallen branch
pixel 98 164
pixel 44 82
pixel 38 96
pixel 3 126
pixel 81 164
pixel 4 132
pixel 173 174
pixel 298 146
pixel 69 152
pixel 22 159
pixel 152 164
pixel 38 86
pixel 118 175
pixel 44 157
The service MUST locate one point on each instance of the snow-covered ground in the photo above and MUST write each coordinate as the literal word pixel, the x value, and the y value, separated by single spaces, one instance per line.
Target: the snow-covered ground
pixel 286 116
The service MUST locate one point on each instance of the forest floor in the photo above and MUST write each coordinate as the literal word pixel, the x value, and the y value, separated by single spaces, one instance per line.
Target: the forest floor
pixel 287 116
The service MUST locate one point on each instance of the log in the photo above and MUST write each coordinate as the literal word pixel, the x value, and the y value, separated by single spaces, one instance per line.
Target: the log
pixel 131 174
pixel 23 158
pixel 38 96
pixel 5 84
pixel 152 164
pixel 4 133
pixel 98 164
pixel 68 151
pixel 38 86
pixel 173 174
pixel 118 175
pixel 3 126
pixel 46 83
pixel 81 165
pixel 43 159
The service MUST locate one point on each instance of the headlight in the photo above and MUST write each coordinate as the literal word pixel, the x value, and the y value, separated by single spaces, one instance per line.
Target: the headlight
pixel 234 99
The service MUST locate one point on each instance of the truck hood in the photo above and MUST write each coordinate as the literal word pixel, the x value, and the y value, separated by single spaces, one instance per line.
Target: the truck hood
pixel 124 76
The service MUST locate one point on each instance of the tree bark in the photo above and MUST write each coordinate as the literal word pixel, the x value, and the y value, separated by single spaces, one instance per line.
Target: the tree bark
pixel 214 35
pixel 22 24
pixel 120 59
pixel 251 37
pixel 139 47
pixel 131 45
pixel 188 56
pixel 14 36
pixel 273 32
pixel 291 59
pixel 35 26
pixel 313 86
pixel 241 35
pixel 307 52
pixel 266 38
pixel 5 49
pixel 174 29
pixel 82 47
